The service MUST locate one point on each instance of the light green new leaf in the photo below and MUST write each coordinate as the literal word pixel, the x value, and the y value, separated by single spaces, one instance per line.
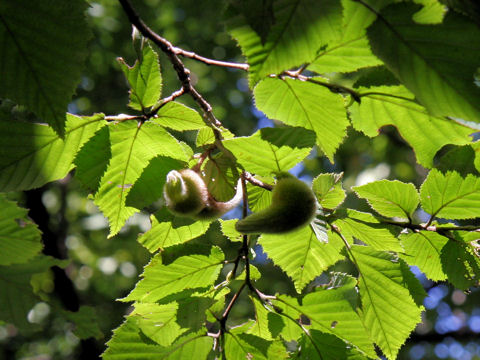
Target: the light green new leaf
pixel 436 62
pixel 300 29
pixel 423 249
pixel 20 239
pixel 328 190
pixel 300 103
pixel 179 117
pixel 390 198
pixel 451 196
pixel 287 324
pixel 128 342
pixel 145 80
pixel 133 147
pixel 44 47
pixel 17 296
pixel 149 186
pixel 389 312
pixel 86 322
pixel 168 229
pixel 41 156
pixel 276 149
pixel 158 322
pixel 476 148
pixel 301 255
pixel 366 228
pixel 394 105
pixel 187 272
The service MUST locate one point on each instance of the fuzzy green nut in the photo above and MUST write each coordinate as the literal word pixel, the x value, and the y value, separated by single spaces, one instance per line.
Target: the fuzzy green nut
pixel 293 205
pixel 185 192
pixel 187 195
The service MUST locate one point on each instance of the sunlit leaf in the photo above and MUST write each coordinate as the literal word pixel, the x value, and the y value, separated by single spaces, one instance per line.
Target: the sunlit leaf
pixel 176 116
pixel 300 103
pixel 436 62
pixel 390 198
pixel 328 190
pixel 300 254
pixel 128 342
pixel 389 312
pixel 132 148
pixel 145 80
pixel 158 322
pixel 43 53
pixel 168 229
pixel 451 196
pixel 275 149
pixel 41 156
pixel 366 228
pixel 394 105
pixel 187 272
pixel 423 249
pixel 299 30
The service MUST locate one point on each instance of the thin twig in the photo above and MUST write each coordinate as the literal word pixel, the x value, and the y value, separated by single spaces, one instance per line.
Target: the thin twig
pixel 251 179
pixel 208 61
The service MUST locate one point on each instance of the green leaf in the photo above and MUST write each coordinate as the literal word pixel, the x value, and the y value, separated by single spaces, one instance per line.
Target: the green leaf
pixel 351 51
pixel 238 348
pixel 389 312
pixel 132 149
pixel 168 229
pixel 366 228
pixel 192 312
pixel 261 326
pixel 390 198
pixel 451 196
pixel 158 322
pixel 128 342
pixel 187 272
pixel 17 296
pixel 440 74
pixel 42 156
pixel 301 255
pixel 179 117
pixel 20 239
pixel 44 47
pixel 461 265
pixel 149 186
pixel 92 159
pixel 395 106
pixel 222 175
pixel 476 148
pixel 145 80
pixel 423 249
pixel 270 157
pixel 328 190
pixel 86 322
pixel 325 346
pixel 305 104
pixel 228 229
pixel 205 135
pixel 299 30
pixel 333 311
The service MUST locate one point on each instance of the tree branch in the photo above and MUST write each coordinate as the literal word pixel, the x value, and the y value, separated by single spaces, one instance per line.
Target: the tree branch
pixel 183 73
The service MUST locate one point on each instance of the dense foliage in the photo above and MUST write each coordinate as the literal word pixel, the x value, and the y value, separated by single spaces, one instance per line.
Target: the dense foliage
pixel 329 75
